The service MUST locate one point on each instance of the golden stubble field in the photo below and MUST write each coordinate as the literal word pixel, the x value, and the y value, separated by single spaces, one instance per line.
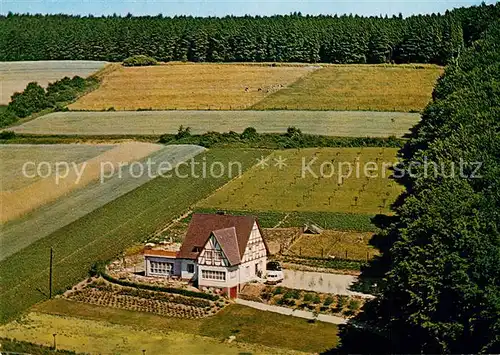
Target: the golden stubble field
pixel 189 86
pixel 24 192
pixel 307 182
pixel 401 88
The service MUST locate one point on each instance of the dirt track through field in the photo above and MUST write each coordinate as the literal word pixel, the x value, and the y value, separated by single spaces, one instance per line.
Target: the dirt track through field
pixel 329 123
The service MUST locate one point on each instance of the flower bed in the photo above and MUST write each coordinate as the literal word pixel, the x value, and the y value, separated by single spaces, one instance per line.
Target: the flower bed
pixel 340 305
pixel 103 293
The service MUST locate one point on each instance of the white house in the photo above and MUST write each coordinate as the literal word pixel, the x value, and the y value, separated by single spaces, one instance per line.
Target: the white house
pixel 219 252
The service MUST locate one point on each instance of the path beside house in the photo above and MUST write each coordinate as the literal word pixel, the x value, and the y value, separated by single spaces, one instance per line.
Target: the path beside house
pixel 320 282
pixel 291 312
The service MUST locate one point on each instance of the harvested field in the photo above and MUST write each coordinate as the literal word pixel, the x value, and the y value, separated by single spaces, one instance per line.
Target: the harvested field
pixel 16 203
pixel 107 231
pixel 334 244
pixel 13 158
pixel 16 75
pixel 53 216
pixel 328 189
pixel 329 123
pixel 358 87
pixel 188 86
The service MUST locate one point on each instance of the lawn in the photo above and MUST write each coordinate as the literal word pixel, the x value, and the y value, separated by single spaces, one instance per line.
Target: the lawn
pixel 358 87
pixel 250 326
pixel 300 185
pixel 189 86
pixel 106 231
pixel 101 337
pixel 16 75
pixel 328 123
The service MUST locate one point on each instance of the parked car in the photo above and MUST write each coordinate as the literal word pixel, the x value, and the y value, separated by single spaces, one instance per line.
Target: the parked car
pixel 274 274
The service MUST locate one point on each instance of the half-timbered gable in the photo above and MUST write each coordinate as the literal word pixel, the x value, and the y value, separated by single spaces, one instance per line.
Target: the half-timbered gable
pixel 212 254
pixel 221 251
pixel 256 247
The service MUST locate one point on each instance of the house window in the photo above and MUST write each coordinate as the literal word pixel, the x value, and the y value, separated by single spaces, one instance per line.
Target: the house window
pixel 213 275
pixel 208 254
pixel 190 268
pixel 158 267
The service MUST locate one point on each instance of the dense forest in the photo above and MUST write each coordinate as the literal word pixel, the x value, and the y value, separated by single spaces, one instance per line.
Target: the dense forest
pixel 293 38
pixel 441 293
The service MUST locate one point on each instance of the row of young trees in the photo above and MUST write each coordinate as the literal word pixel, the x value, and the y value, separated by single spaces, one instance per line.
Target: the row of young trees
pixel 442 291
pixel 293 38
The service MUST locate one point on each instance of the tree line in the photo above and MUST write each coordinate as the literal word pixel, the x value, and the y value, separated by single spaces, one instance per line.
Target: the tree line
pixel 432 38
pixel 441 293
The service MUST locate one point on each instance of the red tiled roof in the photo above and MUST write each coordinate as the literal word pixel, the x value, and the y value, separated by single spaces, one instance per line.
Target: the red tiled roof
pixel 202 225
pixel 229 243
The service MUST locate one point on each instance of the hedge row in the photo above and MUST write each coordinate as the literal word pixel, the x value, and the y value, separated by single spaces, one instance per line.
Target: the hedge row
pixel 294 138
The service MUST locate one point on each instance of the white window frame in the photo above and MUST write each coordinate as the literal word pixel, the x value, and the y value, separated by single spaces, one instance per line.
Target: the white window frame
pixel 161 267
pixel 214 275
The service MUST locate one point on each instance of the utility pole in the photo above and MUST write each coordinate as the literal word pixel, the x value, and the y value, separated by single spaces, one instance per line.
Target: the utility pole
pixel 50 272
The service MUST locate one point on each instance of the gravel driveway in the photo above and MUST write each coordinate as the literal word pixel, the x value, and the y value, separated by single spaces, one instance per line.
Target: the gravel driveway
pixel 320 282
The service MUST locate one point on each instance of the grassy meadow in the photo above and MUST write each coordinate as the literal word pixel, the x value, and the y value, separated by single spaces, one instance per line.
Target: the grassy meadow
pixel 105 232
pixel 253 328
pixel 358 87
pixel 328 123
pixel 188 86
pixel 295 188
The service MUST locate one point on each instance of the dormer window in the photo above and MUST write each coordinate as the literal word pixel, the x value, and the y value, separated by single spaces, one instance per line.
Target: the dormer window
pixel 196 249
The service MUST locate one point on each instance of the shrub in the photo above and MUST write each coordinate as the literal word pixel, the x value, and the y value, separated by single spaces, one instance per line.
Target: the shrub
pixel 293 132
pixel 7 135
pixel 354 305
pixel 278 290
pixel 316 299
pixel 139 61
pixel 308 297
pixel 328 301
pixel 183 132
pixel 249 133
pixel 341 301
pixel 32 99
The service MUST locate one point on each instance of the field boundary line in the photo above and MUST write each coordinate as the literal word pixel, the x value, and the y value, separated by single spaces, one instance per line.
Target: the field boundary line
pixel 282 221
pixel 314 69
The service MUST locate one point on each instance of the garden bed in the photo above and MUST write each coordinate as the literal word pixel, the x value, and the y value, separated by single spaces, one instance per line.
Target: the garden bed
pixel 321 303
pixel 104 293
